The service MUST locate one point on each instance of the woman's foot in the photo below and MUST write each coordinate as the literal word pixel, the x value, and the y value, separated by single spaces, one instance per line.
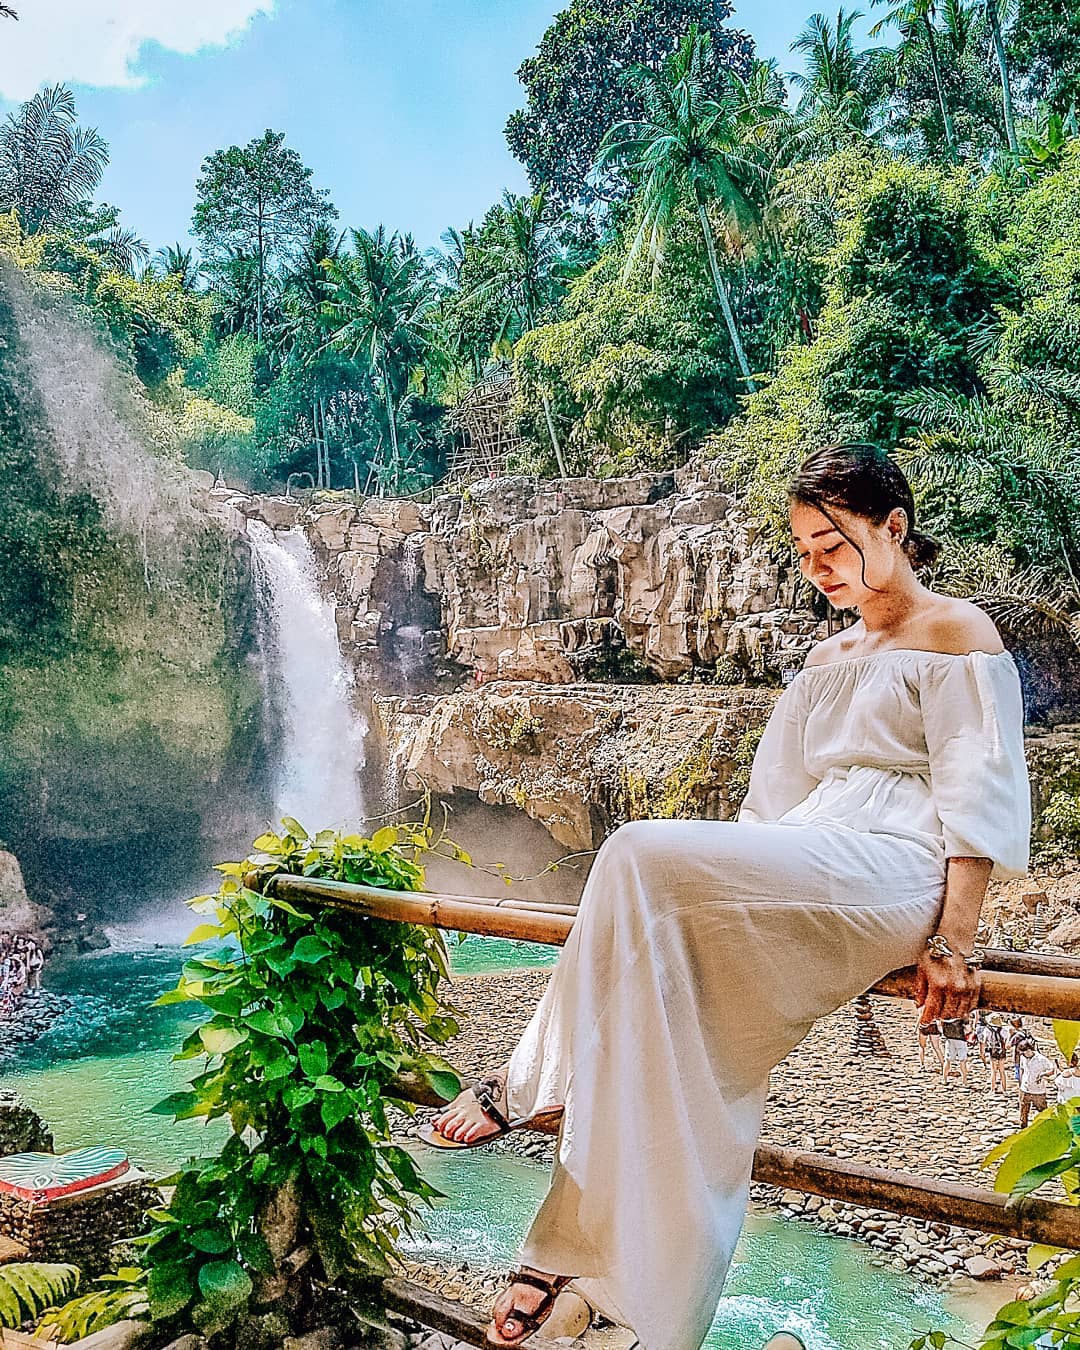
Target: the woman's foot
pixel 784 1340
pixel 465 1121
pixel 523 1306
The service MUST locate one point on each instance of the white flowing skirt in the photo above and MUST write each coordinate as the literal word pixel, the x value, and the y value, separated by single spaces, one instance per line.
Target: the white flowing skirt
pixel 702 954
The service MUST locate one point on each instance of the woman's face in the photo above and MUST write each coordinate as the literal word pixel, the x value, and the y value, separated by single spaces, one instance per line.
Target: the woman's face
pixel 834 566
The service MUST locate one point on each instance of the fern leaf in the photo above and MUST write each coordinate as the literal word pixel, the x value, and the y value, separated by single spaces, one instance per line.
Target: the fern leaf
pixel 28 1288
pixel 92 1312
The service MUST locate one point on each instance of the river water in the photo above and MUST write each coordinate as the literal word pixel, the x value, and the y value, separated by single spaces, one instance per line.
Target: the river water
pixel 96 1074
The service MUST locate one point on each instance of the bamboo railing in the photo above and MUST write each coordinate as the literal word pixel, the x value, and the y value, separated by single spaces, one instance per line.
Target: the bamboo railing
pixel 1043 986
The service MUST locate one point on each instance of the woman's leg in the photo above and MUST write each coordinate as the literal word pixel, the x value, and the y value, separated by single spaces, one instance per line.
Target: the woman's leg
pixel 702 954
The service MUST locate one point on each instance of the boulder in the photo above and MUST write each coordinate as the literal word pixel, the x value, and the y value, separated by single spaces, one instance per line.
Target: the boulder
pixel 18 913
pixel 982 1268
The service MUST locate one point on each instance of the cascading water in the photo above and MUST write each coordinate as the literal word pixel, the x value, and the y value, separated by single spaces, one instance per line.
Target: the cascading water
pixel 321 745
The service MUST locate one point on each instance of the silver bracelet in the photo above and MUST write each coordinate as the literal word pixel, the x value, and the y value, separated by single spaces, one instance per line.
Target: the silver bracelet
pixel 940 950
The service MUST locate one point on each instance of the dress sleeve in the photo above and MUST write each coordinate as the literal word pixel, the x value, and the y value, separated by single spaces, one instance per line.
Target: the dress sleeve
pixel 973 715
pixel 779 779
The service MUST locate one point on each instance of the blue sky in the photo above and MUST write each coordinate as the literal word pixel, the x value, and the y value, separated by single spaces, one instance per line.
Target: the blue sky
pixel 397 105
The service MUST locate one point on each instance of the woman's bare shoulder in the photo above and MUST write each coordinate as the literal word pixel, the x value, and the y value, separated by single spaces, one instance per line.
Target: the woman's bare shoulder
pixel 835 648
pixel 957 628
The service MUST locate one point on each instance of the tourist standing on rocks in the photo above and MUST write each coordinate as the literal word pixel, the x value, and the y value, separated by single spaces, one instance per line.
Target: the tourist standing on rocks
pixel 1068 1081
pixel 17 971
pixel 1036 1072
pixel 1014 1038
pixel 996 1051
pixel 929 1034
pixel 954 1034
pixel 975 1034
pixel 35 963
pixel 889 785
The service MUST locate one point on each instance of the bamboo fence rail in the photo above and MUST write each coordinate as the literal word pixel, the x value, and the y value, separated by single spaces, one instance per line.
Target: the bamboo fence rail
pixel 1045 986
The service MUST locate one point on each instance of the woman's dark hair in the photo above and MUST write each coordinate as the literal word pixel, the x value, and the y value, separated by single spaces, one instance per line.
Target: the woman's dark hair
pixel 864 480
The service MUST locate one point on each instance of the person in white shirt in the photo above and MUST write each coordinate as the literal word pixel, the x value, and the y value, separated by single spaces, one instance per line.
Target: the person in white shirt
pixel 1068 1081
pixel 1035 1074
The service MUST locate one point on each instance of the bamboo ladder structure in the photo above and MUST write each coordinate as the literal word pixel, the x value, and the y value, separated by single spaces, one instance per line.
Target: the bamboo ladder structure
pixel 1042 986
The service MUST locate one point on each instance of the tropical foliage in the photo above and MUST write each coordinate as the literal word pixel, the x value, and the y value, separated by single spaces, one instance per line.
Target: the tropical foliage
pixel 715 260
pixel 312 1021
pixel 28 1288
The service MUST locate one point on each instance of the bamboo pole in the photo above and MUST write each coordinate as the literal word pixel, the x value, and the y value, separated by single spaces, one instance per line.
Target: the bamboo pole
pixel 1032 1219
pixel 463 913
pixel 1043 986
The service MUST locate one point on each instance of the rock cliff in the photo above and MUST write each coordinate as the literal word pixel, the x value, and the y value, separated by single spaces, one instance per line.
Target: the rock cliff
pixel 553 581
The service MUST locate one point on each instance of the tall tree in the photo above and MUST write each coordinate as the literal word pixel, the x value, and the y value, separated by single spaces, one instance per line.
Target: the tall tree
pixel 1044 48
pixel 689 149
pixel 915 21
pixel 49 165
pixel 258 199
pixel 380 311
pixel 521 255
pixel 905 82
pixel 993 14
pixel 574 93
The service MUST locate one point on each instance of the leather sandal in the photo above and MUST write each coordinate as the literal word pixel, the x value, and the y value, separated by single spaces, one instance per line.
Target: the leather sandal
pixel 530 1322
pixel 486 1091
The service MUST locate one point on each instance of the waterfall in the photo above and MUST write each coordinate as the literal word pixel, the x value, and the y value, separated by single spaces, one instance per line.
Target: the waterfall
pixel 321 739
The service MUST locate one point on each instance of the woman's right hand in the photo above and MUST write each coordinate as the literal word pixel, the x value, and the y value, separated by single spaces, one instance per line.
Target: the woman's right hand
pixel 945 987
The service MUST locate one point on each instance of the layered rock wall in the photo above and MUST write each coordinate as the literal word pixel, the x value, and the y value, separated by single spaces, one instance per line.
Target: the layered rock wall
pixel 551 581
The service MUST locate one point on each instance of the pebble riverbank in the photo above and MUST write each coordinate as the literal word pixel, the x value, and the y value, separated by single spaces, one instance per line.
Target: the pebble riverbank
pixel 884 1111
pixel 37 1012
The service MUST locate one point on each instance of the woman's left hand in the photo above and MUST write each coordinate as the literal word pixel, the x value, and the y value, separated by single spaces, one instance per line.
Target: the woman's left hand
pixel 945 987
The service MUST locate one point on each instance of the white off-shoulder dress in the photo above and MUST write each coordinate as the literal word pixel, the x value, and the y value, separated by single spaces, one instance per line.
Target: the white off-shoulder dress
pixel 704 950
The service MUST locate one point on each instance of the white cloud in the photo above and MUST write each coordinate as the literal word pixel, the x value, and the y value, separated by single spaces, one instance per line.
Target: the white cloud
pixel 99 43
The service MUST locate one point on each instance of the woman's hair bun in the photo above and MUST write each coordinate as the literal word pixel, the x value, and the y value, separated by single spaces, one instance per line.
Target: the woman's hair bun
pixel 922 549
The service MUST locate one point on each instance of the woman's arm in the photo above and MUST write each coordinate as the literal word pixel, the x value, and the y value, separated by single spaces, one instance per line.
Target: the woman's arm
pixel 945 986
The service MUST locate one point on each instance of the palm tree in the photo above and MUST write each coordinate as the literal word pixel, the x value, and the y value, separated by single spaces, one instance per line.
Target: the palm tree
pixel 305 290
pixel 236 290
pixel 1011 451
pixel 915 20
pixel 48 164
pixel 121 248
pixel 832 93
pixel 521 260
pixel 993 14
pixel 177 261
pixel 380 308
pixel 449 261
pixel 688 148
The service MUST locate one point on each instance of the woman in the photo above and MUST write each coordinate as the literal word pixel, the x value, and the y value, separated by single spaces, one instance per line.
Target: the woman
pixel 888 786
pixel 929 1034
pixel 996 1049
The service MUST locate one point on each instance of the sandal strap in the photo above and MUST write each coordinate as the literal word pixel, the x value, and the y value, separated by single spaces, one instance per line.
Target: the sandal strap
pixel 482 1091
pixel 552 1286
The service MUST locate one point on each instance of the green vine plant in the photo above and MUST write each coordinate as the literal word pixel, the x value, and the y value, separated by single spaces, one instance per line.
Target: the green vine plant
pixel 315 1020
pixel 1048 1148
